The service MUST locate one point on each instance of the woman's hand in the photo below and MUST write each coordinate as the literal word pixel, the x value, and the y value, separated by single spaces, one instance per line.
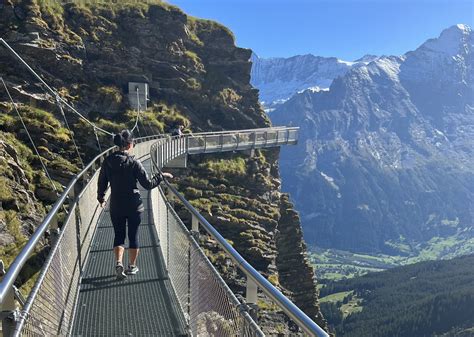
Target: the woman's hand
pixel 167 175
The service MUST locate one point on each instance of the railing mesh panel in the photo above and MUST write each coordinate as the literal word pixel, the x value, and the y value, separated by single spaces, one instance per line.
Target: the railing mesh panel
pixel 178 267
pixel 208 303
pixel 52 307
pixel 89 211
pixel 213 310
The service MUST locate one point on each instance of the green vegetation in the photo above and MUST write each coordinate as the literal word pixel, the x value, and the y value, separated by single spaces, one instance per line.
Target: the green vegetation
pixel 336 297
pixel 202 28
pixel 423 299
pixel 223 167
pixel 267 306
pixel 10 251
pixel 333 264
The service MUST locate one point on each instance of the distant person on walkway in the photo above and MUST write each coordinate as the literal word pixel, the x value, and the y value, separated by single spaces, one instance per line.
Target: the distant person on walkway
pixel 178 131
pixel 122 171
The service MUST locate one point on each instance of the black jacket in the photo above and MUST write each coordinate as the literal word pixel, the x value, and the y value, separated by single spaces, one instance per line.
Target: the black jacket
pixel 123 171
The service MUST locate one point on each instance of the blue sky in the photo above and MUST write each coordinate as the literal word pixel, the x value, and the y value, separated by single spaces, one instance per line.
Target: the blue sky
pixel 347 29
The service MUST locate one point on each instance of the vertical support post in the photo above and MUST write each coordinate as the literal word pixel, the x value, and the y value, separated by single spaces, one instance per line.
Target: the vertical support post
pixel 8 313
pixel 238 141
pixel 167 237
pixel 195 223
pixel 189 286
pixel 251 297
pixel 172 147
pixel 54 229
pixel 78 239
pixel 251 291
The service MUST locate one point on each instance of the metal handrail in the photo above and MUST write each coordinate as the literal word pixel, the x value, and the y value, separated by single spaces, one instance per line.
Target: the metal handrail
pixel 242 131
pixel 295 313
pixel 16 266
pixel 288 307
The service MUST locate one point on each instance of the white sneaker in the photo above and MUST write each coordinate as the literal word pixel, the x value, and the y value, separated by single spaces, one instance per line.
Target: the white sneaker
pixel 131 270
pixel 119 271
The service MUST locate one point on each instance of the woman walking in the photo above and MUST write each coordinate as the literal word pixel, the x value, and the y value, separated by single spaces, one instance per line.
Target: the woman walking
pixel 122 171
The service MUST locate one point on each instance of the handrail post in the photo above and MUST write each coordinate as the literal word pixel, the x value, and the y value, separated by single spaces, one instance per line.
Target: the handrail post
pixel 54 229
pixel 251 297
pixel 195 226
pixel 8 312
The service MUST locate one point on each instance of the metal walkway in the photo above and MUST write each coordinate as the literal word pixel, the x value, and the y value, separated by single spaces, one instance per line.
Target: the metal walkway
pixel 177 291
pixel 142 304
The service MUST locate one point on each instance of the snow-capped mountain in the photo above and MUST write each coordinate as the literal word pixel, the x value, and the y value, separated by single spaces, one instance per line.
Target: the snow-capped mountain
pixel 385 161
pixel 280 78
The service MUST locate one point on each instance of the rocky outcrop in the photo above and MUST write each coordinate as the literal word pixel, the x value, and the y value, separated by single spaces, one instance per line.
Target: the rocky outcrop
pixel 20 210
pixel 295 272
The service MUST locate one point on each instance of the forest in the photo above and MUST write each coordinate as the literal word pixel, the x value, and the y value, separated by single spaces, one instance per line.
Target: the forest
pixel 433 298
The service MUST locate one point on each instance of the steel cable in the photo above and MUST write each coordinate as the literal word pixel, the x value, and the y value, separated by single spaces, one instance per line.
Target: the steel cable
pixel 72 134
pixel 29 136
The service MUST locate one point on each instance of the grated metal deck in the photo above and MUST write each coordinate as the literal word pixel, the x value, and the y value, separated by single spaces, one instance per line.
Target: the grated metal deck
pixel 142 304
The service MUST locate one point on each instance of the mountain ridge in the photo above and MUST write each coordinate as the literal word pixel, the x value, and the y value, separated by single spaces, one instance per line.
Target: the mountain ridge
pixel 388 147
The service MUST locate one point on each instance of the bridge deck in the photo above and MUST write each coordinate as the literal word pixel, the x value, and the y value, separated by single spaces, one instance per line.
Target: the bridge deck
pixel 143 304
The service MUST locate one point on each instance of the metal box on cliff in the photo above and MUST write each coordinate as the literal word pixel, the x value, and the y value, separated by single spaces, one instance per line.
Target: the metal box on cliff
pixel 138 94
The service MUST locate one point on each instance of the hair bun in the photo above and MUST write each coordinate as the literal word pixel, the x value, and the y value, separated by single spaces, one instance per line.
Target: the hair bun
pixel 118 140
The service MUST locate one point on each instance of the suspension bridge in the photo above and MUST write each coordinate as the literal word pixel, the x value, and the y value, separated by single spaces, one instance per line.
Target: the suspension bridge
pixel 178 291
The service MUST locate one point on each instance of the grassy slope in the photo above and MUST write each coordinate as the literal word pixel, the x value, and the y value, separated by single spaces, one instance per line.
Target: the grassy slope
pixel 333 264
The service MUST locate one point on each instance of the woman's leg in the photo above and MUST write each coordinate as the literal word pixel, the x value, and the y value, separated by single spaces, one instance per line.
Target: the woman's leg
pixel 134 221
pixel 119 223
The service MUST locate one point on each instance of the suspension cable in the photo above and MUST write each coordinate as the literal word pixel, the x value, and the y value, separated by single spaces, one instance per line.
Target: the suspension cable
pixel 138 110
pixel 29 136
pixel 72 134
pixel 97 139
pixel 144 129
pixel 52 91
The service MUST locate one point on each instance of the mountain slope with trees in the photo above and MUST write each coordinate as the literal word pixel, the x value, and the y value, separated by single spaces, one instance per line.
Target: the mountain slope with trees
pixel 433 298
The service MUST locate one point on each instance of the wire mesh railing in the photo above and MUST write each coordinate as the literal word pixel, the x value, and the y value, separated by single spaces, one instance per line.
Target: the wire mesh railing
pixel 209 305
pixel 50 306
pixel 241 139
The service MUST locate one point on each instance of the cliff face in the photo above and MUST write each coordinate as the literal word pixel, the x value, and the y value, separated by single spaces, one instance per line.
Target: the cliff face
pixel 197 77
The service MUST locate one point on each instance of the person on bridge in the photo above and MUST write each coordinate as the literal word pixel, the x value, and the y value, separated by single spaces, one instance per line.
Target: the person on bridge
pixel 122 171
